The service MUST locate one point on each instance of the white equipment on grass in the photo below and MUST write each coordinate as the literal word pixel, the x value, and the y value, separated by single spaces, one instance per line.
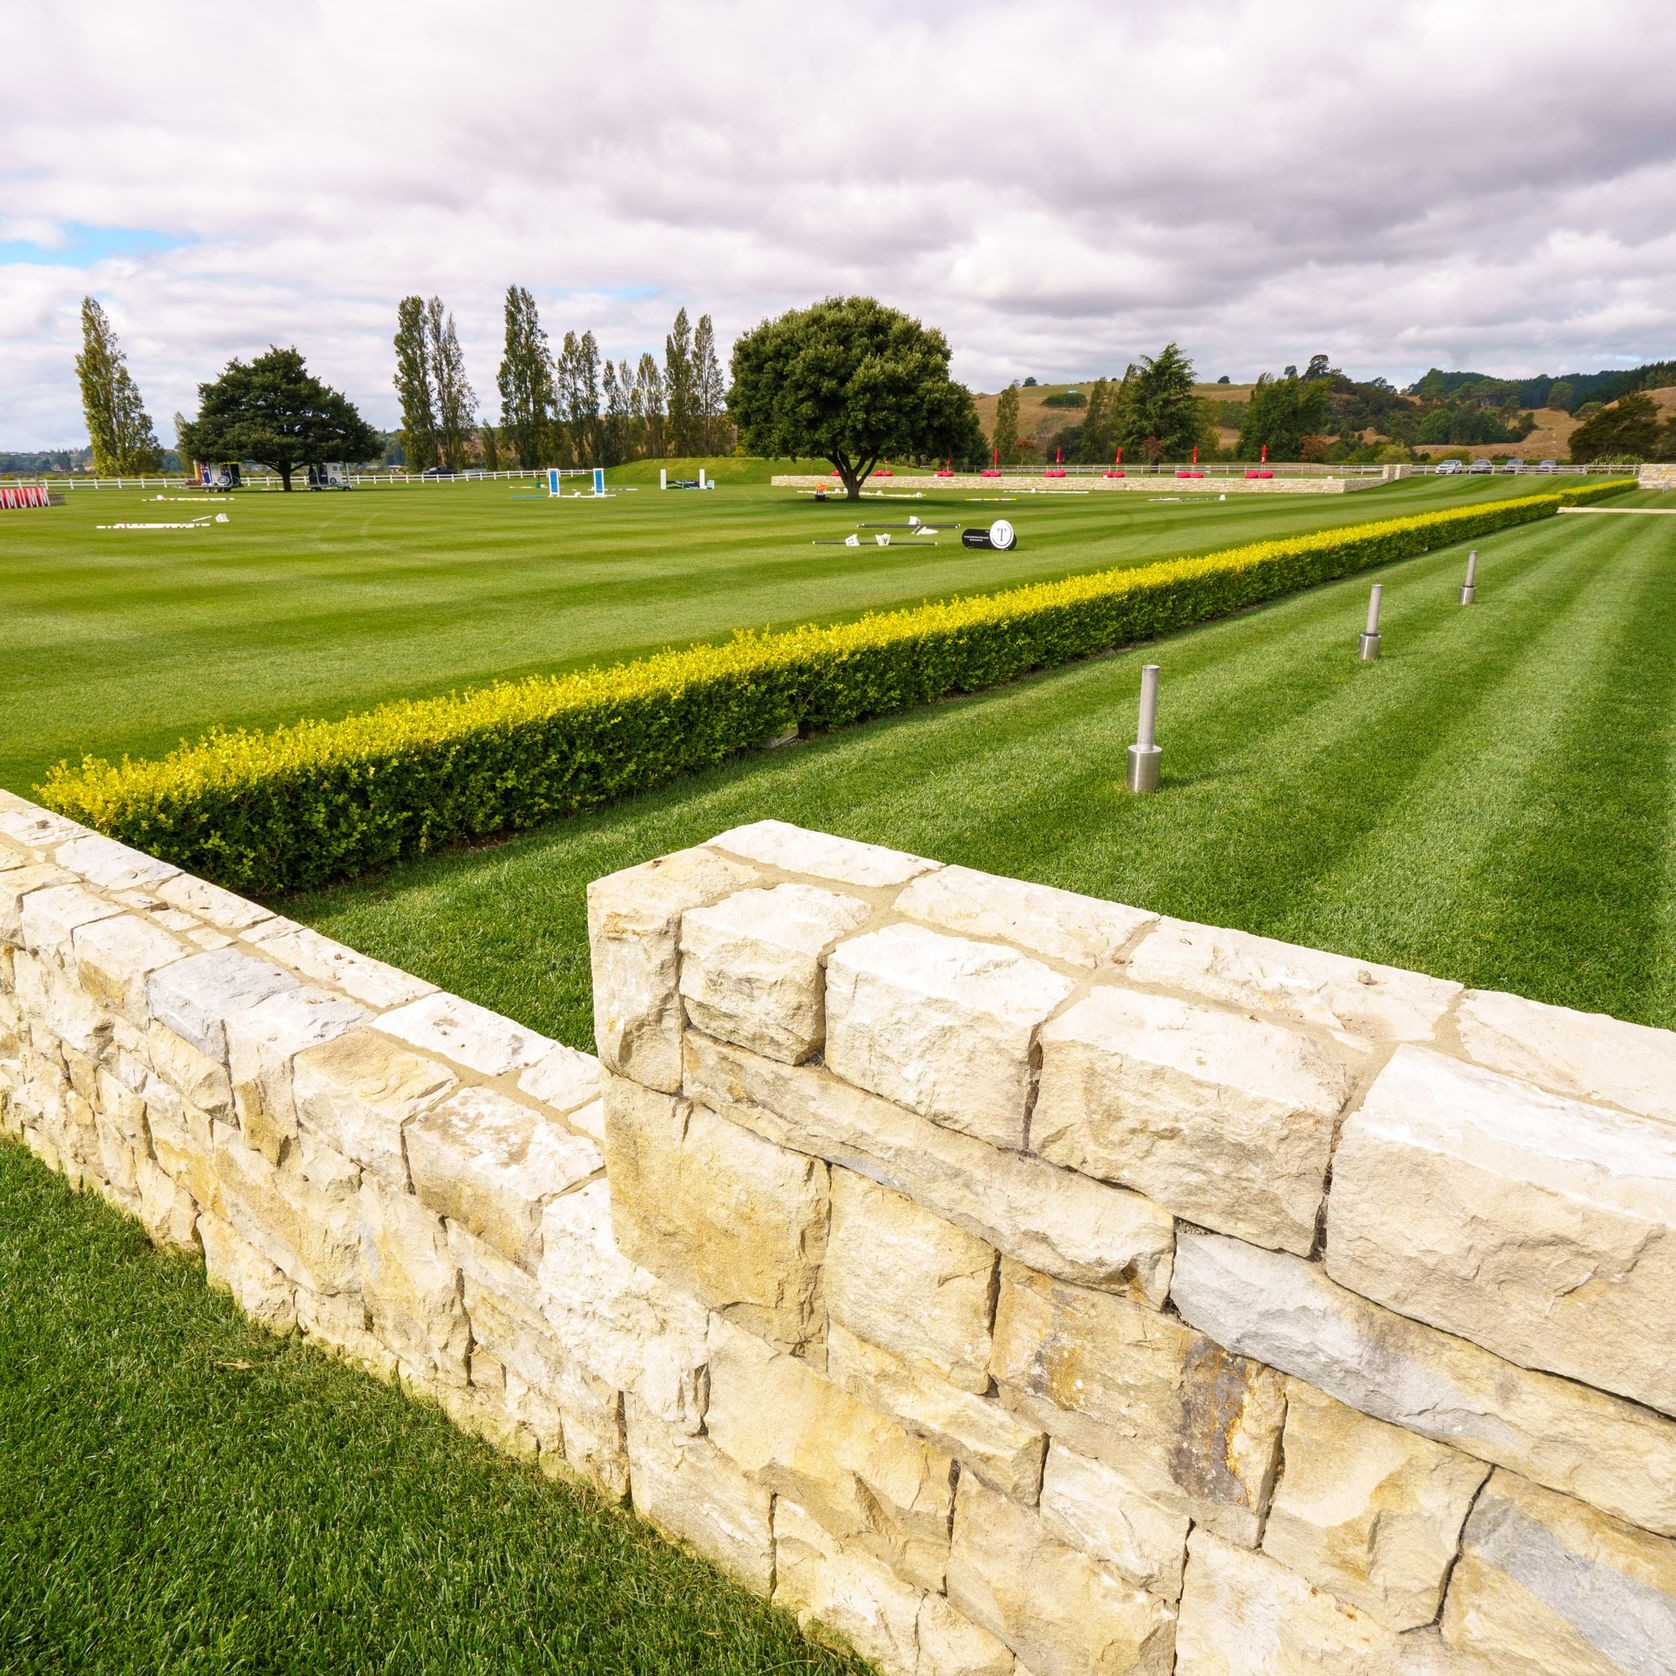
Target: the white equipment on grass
pixel 702 482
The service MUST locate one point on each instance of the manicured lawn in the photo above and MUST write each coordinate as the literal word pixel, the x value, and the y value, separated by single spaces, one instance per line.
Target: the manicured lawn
pixel 1493 801
pixel 126 641
pixel 181 1492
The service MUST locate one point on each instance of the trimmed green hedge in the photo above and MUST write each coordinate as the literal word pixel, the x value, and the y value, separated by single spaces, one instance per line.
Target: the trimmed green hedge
pixel 317 801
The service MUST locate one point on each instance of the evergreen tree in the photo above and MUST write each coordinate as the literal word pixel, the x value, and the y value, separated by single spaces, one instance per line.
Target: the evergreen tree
pixel 1157 404
pixel 680 390
pixel 709 388
pixel 118 426
pixel 648 399
pixel 1098 424
pixel 490 438
pixel 1280 414
pixel 587 398
pixel 414 385
pixel 525 381
pixel 617 381
pixel 1005 439
pixel 456 402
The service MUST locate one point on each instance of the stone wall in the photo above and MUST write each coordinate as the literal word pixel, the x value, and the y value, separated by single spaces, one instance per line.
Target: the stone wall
pixel 1008 1281
pixel 1033 482
pixel 1658 477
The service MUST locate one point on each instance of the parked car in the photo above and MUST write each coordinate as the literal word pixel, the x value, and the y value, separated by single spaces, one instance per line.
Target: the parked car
pixel 1547 465
pixel 1513 465
pixel 1481 466
pixel 1448 468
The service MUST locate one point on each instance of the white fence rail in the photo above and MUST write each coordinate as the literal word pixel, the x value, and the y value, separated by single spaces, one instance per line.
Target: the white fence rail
pixel 271 480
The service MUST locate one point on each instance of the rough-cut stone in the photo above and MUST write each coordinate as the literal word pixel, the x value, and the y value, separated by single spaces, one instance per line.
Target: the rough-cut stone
pixel 48 918
pixel 1540 1227
pixel 860 1474
pixel 17 884
pixel 1052 1219
pixel 1063 1613
pixel 369 981
pixel 717 1211
pixel 634 926
pixel 471 1035
pixel 357 1090
pixel 168 1211
pixel 952 1645
pixel 210 903
pixel 1585 1056
pixel 618 1321
pixel 307 1231
pixel 195 995
pixel 565 1080
pixel 751 966
pixel 1355 999
pixel 1096 1510
pixel 1192 1427
pixel 491 1163
pixel 38 829
pixel 504 1305
pixel 1243 1614
pixel 412 1285
pixel 595 1441
pixel 1545 1583
pixel 1367 1510
pixel 908 1281
pixel 1223 1119
pixel 853 1598
pixel 257 1286
pixel 112 866
pixel 1079 930
pixel 200 1080
pixel 261 1043
pixel 688 1488
pixel 843 860
pixel 1286 1312
pixel 976 1431
pixel 943 1025
pixel 114 957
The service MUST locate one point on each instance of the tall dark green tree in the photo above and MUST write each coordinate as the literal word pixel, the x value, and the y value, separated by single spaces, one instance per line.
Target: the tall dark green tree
pixel 1158 405
pixel 415 388
pixel 709 387
pixel 1280 414
pixel 849 381
pixel 274 411
pixel 1631 429
pixel 680 389
pixel 1004 440
pixel 1099 424
pixel 456 401
pixel 124 441
pixel 525 381
pixel 648 408
pixel 617 383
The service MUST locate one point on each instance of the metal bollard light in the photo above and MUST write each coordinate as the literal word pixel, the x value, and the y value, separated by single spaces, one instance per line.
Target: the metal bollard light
pixel 1144 754
pixel 1367 648
pixel 1469 591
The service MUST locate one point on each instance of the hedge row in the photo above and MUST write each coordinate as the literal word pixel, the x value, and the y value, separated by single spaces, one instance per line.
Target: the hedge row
pixel 316 801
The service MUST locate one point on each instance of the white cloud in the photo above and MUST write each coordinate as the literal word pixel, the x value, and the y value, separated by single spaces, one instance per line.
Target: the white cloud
pixel 1058 187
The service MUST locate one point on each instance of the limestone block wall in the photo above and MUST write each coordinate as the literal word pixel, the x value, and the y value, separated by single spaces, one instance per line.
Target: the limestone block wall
pixel 1658 477
pixel 1003 1280
pixel 1033 482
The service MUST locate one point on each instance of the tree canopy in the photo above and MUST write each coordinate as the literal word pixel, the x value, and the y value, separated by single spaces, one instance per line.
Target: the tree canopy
pixel 1630 429
pixel 1157 412
pixel 118 425
pixel 851 381
pixel 273 411
pixel 1280 414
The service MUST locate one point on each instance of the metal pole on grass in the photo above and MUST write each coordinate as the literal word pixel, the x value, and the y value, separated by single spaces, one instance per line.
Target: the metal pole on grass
pixel 1469 591
pixel 1144 754
pixel 1367 648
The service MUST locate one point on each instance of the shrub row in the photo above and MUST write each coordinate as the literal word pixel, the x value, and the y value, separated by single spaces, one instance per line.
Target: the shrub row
pixel 315 801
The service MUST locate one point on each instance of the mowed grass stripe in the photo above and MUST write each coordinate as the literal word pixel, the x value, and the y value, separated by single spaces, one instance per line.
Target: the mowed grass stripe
pixel 180 1491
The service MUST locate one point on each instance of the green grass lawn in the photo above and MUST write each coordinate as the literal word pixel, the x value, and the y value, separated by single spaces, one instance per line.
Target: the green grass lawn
pixel 1492 801
pixel 117 642
pixel 180 1491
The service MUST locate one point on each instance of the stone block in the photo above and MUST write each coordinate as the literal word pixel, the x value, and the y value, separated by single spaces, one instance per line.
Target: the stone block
pixel 565 1080
pixel 38 829
pixel 844 861
pixel 690 1490
pixel 1056 924
pixel 720 1213
pixel 195 995
pixel 950 1644
pixel 491 1163
pixel 858 1473
pixel 1192 1427
pixel 337 1322
pixel 634 927
pixel 17 884
pixel 1052 1219
pixel 977 1431
pixel 308 1232
pixel 318 958
pixel 752 966
pixel 200 1080
pixel 470 1035
pixel 1061 1612
pixel 209 903
pixel 1093 1508
pixel 115 956
pixel 908 1281
pixel 1223 1119
pixel 1540 1227
pixel 259 1288
pixel 166 1208
pixel 47 918
pixel 411 1285
pixel 1360 1002
pixel 1546 1583
pixel 621 1323
pixel 595 1442
pixel 1369 1511
pixel 1286 1312
pixel 1583 1056
pixel 109 865
pixel 943 1025
pixel 356 1091
pixel 504 1306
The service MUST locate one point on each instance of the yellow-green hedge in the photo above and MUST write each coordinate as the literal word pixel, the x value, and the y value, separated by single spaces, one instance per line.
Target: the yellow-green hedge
pixel 317 801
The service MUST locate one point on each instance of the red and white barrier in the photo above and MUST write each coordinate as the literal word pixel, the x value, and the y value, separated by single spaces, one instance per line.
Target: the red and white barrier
pixel 24 494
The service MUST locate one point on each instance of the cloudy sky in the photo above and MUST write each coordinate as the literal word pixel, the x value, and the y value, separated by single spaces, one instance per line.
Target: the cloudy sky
pixel 1059 187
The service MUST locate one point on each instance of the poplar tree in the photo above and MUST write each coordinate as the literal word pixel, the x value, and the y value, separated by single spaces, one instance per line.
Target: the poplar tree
pixel 490 438
pixel 124 442
pixel 1098 424
pixel 414 385
pixel 525 381
pixel 587 396
pixel 617 380
pixel 456 402
pixel 710 390
pixel 1005 439
pixel 648 397
pixel 680 390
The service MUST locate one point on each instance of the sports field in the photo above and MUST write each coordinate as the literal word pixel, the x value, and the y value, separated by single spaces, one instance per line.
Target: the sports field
pixel 319 604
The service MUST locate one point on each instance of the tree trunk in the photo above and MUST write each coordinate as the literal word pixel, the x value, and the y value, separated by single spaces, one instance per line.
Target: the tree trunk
pixel 285 478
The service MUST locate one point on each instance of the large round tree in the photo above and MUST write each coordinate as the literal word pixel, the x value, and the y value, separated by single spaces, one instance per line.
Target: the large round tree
pixel 849 381
pixel 274 411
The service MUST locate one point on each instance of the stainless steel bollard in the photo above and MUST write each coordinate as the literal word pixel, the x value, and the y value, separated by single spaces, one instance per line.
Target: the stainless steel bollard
pixel 1367 648
pixel 1144 754
pixel 1469 591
